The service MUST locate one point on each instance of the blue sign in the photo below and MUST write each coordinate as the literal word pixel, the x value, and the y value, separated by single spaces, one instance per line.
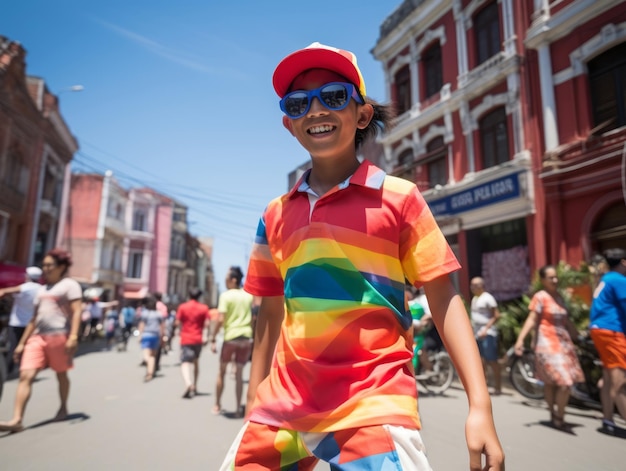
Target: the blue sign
pixel 492 192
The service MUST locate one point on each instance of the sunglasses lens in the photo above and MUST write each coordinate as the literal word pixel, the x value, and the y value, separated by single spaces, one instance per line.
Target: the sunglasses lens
pixel 334 96
pixel 295 104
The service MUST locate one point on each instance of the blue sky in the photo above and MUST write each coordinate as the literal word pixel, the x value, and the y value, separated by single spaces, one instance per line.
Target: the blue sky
pixel 178 96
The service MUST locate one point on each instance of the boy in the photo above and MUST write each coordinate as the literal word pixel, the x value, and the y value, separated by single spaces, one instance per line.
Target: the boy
pixel 607 327
pixel 331 376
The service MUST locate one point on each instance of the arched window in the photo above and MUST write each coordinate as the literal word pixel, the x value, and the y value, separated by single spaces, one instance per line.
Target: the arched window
pixel 433 72
pixel 406 165
pixel 607 80
pixel 494 138
pixel 403 90
pixel 609 230
pixel 487 31
pixel 436 162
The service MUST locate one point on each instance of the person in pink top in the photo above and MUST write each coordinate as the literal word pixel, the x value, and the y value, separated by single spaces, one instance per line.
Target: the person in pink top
pixel 51 336
pixel 192 318
pixel 556 361
pixel 331 378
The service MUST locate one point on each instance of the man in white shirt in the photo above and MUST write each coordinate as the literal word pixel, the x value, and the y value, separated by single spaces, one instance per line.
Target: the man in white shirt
pixel 22 309
pixel 485 314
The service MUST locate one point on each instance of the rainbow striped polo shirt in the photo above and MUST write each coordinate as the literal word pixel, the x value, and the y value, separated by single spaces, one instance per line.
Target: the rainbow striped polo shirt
pixel 343 356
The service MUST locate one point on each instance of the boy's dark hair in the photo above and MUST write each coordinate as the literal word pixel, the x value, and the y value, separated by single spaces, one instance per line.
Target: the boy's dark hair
pixel 235 272
pixel 158 295
pixel 613 257
pixel 195 293
pixel 382 121
pixel 149 302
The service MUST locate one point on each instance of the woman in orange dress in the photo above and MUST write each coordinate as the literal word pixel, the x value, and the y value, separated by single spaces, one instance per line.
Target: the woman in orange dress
pixel 555 356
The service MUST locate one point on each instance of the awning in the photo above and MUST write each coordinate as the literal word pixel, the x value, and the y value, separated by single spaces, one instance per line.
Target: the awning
pixel 11 275
pixel 136 294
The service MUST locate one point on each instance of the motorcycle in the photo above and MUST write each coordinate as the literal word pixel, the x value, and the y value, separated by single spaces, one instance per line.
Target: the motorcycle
pixel 586 394
pixel 438 378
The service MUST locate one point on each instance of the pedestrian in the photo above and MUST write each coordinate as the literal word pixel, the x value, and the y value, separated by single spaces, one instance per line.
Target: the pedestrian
pixel 161 307
pixel 151 331
pixel 128 318
pixel 51 337
pixel 331 377
pixel 95 311
pixel 192 318
pixel 422 322
pixel 111 325
pixel 485 314
pixel 556 362
pixel 22 308
pixel 235 315
pixel 607 327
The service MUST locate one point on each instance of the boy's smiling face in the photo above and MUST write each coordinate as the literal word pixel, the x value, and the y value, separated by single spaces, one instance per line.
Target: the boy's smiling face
pixel 327 133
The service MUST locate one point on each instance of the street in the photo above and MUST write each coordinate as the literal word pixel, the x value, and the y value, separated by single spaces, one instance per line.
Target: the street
pixel 118 422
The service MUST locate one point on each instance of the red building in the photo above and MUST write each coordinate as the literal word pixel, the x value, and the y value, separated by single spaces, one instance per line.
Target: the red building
pixel 511 122
pixel 36 148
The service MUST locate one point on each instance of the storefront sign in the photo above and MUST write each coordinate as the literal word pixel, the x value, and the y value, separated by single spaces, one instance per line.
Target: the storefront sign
pixel 492 192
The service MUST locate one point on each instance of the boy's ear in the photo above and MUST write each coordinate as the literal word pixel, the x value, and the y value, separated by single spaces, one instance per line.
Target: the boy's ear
pixel 287 124
pixel 366 113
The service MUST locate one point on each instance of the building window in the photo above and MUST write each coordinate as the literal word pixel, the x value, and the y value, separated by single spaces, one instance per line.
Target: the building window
pixel 487 30
pixel 607 79
pixel 403 90
pixel 432 70
pixel 406 167
pixel 139 220
pixel 135 260
pixel 494 138
pixel 105 260
pixel 435 162
pixel 16 174
pixel 117 258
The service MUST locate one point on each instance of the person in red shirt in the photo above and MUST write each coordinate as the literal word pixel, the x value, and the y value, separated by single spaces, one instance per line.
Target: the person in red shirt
pixel 191 318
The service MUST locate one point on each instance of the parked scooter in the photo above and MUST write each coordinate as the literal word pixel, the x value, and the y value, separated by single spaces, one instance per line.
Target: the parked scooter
pixel 586 394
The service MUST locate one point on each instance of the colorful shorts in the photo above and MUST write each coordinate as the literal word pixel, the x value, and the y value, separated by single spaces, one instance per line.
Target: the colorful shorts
pixel 238 349
pixel 611 347
pixel 263 447
pixel 46 351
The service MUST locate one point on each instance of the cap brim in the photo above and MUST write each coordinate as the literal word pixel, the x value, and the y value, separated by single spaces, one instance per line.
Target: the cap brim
pixel 305 59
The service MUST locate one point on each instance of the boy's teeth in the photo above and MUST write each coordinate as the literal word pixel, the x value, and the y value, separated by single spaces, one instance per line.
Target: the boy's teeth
pixel 320 129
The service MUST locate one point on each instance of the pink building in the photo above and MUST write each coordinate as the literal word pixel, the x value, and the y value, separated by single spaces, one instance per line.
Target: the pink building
pixel 95 231
pixel 147 245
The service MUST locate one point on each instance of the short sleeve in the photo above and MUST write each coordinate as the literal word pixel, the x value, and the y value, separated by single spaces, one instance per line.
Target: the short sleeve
pixel 74 291
pixel 536 303
pixel 424 251
pixel 263 277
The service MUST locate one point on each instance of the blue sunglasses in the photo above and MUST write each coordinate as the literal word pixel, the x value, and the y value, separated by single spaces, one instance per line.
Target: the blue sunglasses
pixel 334 96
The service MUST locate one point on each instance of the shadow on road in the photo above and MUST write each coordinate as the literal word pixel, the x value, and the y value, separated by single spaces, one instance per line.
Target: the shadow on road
pixel 74 418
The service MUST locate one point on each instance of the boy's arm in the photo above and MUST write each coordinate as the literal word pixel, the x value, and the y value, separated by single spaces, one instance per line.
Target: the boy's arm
pixel 454 327
pixel 267 330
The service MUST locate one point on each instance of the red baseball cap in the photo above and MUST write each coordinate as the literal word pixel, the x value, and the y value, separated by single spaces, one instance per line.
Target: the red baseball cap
pixel 317 56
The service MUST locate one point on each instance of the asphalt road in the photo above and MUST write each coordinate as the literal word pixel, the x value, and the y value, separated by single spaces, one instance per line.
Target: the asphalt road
pixel 118 422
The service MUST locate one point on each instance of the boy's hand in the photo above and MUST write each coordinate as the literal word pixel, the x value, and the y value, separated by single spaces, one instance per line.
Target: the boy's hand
pixel 480 433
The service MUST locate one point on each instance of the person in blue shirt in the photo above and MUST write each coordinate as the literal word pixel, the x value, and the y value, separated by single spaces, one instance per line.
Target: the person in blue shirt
pixel 129 316
pixel 607 326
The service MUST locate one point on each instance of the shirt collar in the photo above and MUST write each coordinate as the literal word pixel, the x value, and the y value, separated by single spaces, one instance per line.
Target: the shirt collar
pixel 366 175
